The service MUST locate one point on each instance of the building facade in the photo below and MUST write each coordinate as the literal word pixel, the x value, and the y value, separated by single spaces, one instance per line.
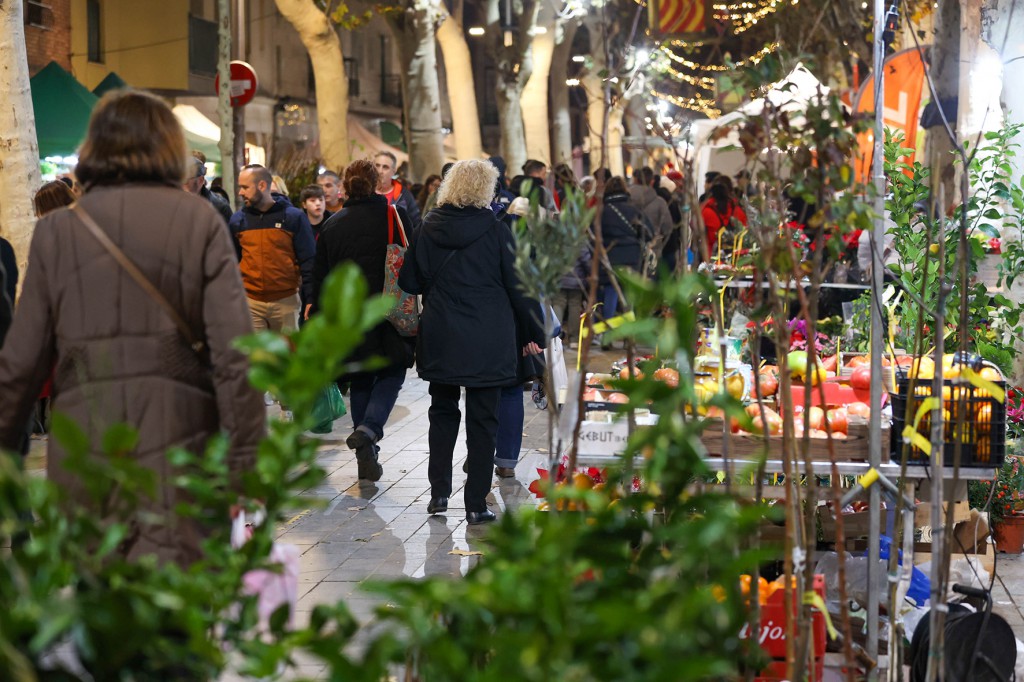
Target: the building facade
pixel 47 33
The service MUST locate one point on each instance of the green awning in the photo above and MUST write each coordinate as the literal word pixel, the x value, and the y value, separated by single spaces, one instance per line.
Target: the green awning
pixel 392 135
pixel 111 82
pixel 210 148
pixel 62 109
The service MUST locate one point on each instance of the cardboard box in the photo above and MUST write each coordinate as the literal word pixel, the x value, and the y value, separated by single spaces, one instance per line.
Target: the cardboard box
pixel 923 514
pixel 603 438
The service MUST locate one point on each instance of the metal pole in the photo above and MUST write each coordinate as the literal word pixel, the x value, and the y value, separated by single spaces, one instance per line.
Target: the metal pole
pixel 877 337
pixel 227 130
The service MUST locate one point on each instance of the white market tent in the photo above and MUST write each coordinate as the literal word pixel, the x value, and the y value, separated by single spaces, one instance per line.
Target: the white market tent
pixel 791 94
pixel 204 134
pixel 363 143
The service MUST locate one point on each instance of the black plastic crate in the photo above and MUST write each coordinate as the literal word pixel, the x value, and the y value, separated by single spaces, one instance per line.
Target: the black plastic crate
pixel 983 433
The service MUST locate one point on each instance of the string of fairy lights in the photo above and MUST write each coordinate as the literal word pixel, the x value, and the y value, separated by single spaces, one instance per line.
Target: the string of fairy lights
pixel 708 68
pixel 744 15
pixel 741 16
pixel 701 79
pixel 699 103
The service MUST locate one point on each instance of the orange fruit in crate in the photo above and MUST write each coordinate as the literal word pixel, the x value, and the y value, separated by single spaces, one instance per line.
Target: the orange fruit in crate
pixel 626 374
pixel 861 377
pixel 923 368
pixel 735 385
pixel 581 481
pixel 990 374
pixel 816 418
pixel 859 410
pixel 838 420
pixel 667 375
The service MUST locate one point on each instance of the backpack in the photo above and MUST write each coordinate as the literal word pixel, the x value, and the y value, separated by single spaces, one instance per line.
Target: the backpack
pixel 648 254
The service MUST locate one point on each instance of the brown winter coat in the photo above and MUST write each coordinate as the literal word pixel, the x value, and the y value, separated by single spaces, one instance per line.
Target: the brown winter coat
pixel 119 357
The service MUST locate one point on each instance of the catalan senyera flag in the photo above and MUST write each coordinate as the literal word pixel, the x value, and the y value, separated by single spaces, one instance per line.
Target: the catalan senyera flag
pixel 679 16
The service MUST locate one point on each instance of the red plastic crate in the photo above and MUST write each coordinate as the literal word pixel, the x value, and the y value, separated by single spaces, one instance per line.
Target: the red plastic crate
pixel 773 634
pixel 838 392
pixel 776 672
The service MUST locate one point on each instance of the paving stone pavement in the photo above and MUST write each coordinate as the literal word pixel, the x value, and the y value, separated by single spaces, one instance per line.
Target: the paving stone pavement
pixel 382 530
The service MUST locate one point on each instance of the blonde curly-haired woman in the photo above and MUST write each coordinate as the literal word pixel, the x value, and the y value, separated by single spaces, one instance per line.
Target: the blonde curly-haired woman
pixel 462 262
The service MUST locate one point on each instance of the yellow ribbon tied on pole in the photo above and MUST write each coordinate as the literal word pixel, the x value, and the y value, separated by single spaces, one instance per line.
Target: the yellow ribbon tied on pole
pixel 912 435
pixel 984 384
pixel 814 599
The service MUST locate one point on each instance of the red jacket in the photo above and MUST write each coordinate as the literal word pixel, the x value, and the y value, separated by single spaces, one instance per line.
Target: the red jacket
pixel 715 221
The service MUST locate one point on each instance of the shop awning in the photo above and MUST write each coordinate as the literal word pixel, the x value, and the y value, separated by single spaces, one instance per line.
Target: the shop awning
pixel 111 82
pixel 392 135
pixel 363 144
pixel 62 108
pixel 200 132
pixel 203 134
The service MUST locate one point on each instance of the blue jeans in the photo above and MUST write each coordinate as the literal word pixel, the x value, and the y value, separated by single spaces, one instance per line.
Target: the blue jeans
pixel 510 427
pixel 372 396
pixel 609 301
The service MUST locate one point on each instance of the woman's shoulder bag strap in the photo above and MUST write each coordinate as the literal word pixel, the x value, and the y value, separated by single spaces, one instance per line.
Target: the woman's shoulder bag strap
pixel 140 279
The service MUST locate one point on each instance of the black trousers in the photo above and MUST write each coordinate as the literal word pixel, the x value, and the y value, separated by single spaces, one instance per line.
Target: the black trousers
pixel 481 433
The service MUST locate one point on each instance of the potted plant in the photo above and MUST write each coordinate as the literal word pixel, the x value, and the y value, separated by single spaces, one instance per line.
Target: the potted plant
pixel 1006 504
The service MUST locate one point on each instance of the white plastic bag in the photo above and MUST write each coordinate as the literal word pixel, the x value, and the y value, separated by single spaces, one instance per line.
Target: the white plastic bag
pixel 555 355
pixel 273 588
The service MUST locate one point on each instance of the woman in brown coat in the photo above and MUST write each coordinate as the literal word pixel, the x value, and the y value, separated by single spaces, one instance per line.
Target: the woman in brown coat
pixel 120 358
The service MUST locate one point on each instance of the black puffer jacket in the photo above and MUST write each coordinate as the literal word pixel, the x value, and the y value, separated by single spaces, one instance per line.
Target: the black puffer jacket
pixel 462 262
pixel 9 282
pixel 359 233
pixel 622 228
pixel 219 203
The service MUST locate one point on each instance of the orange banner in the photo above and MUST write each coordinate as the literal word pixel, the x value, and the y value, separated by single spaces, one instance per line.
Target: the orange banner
pixel 904 84
pixel 679 16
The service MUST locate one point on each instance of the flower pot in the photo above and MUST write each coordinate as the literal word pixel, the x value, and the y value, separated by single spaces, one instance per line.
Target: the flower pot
pixel 1009 534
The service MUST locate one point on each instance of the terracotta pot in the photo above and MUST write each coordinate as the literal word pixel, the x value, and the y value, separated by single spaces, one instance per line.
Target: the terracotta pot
pixel 1009 534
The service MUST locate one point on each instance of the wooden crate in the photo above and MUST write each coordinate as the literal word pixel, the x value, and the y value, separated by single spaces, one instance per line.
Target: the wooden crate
pixel 855 525
pixel 853 448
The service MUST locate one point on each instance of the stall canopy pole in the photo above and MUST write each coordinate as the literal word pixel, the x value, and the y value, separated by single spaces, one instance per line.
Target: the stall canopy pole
pixel 877 336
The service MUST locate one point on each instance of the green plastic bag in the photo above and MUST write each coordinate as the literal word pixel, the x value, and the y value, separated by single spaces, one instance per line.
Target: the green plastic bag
pixel 329 406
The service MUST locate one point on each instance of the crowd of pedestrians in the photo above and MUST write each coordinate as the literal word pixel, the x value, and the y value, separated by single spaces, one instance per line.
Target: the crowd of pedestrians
pixel 136 290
